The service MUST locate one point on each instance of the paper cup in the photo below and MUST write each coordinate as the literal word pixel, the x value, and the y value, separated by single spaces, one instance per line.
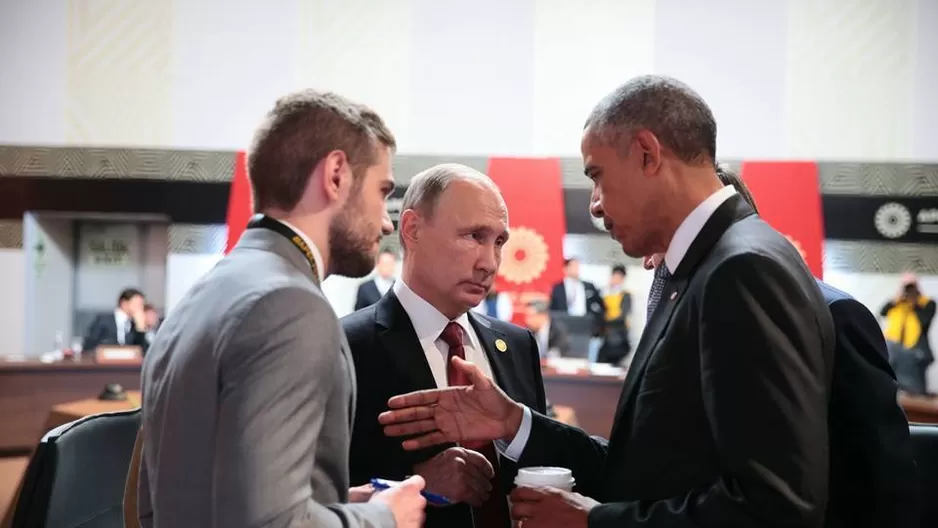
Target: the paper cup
pixel 551 477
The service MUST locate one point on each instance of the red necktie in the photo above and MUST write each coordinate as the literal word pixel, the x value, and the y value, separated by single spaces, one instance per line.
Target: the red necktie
pixel 494 512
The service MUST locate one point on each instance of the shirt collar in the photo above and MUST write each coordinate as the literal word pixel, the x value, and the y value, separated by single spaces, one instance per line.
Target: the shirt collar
pixel 121 318
pixel 692 225
pixel 317 256
pixel 428 322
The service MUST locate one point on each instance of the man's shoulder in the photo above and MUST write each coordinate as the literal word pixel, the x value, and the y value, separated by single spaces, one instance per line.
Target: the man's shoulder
pixel 509 330
pixel 359 326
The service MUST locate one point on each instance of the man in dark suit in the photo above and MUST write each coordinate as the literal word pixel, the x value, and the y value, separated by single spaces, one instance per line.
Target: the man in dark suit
pixel 722 419
pixel 452 228
pixel 126 325
pixel 578 297
pixel 551 336
pixel 871 460
pixel 370 291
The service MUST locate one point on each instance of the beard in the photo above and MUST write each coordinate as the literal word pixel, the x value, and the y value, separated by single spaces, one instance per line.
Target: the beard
pixel 352 248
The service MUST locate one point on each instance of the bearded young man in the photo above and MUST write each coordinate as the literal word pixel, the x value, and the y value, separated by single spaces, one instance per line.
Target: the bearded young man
pixel 249 389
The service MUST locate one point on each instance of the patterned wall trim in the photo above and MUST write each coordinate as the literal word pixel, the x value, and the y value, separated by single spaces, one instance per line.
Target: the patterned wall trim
pixel 878 257
pixel 66 162
pixel 197 239
pixel 879 179
pixel 870 179
pixel 11 234
pixel 840 255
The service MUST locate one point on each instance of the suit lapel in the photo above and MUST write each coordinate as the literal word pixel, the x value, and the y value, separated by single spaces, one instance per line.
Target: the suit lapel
pixel 397 335
pixel 731 211
pixel 502 363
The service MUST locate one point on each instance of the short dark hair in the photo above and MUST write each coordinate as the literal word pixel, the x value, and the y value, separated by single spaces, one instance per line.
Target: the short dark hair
pixel 620 269
pixel 298 133
pixel 729 177
pixel 128 294
pixel 539 306
pixel 668 108
pixel 149 307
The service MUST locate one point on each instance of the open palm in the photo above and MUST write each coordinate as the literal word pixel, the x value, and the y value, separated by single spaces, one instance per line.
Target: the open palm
pixel 480 412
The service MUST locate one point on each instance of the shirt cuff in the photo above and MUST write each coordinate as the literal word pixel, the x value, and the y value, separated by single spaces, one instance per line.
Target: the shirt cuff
pixel 513 450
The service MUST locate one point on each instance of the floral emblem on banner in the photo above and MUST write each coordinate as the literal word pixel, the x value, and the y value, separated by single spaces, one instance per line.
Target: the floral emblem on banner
pixel 797 245
pixel 524 256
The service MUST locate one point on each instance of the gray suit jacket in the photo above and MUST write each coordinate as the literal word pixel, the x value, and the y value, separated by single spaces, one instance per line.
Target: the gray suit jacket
pixel 248 400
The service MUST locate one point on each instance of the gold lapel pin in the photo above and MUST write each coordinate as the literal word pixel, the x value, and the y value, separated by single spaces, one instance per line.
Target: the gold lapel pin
pixel 501 345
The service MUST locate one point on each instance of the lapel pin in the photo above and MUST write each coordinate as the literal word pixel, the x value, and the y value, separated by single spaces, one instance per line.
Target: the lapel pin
pixel 501 345
pixel 673 295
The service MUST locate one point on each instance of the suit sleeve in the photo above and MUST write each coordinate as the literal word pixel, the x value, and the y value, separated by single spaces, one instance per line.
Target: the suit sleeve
pixel 275 383
pixel 765 351
pixel 537 375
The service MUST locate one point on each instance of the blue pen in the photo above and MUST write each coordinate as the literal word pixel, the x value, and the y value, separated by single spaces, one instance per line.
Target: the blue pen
pixel 432 498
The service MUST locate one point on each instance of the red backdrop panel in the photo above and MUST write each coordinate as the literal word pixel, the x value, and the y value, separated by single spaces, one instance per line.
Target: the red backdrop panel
pixel 789 199
pixel 239 201
pixel 532 260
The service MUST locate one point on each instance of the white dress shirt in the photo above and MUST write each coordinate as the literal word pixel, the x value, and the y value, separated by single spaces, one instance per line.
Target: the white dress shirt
pixel 429 323
pixel 576 296
pixel 123 323
pixel 317 256
pixel 383 284
pixel 684 236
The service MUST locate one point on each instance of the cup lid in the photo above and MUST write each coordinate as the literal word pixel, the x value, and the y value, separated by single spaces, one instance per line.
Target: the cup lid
pixel 544 476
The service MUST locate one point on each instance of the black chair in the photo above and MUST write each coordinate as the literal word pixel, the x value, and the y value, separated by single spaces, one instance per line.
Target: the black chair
pixel 925 448
pixel 76 476
pixel 579 331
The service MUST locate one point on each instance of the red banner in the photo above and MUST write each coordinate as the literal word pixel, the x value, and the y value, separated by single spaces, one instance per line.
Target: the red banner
pixel 789 199
pixel 532 260
pixel 239 201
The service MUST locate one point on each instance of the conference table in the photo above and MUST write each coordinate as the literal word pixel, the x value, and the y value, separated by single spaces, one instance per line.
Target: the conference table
pixel 30 388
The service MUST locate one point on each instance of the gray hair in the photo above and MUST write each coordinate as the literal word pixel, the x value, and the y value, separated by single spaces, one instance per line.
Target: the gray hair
pixel 670 109
pixel 425 189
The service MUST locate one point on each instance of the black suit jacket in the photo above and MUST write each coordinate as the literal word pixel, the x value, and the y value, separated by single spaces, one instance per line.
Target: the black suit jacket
pixel 594 302
pixel 368 294
pixel 873 478
pixel 103 331
pixel 722 421
pixel 390 361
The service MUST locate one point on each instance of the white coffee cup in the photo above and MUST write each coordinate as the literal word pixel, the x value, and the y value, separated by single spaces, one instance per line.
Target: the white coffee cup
pixel 545 476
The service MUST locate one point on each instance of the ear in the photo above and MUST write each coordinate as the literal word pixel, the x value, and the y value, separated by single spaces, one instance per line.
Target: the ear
pixel 336 176
pixel 649 151
pixel 409 225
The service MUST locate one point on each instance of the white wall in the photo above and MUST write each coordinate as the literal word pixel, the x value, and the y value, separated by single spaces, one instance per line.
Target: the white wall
pixel 841 79
pixel 13 302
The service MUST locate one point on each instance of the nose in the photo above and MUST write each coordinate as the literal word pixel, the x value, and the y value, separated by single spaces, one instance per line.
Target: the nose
pixel 489 258
pixel 387 227
pixel 596 203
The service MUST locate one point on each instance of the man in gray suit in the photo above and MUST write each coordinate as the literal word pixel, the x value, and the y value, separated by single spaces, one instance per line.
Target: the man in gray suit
pixel 249 389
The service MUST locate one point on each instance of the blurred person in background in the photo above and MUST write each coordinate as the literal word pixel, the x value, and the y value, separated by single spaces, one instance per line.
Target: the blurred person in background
pixel 552 338
pixel 453 225
pixel 496 304
pixel 370 291
pixel 618 302
pixel 908 319
pixel 578 297
pixel 125 326
pixel 249 390
pixel 153 320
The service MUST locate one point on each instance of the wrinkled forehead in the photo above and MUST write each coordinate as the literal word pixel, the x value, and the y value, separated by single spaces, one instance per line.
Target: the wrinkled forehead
pixel 467 202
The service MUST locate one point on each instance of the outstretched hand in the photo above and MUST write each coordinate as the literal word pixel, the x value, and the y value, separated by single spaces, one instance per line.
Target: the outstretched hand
pixel 477 412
